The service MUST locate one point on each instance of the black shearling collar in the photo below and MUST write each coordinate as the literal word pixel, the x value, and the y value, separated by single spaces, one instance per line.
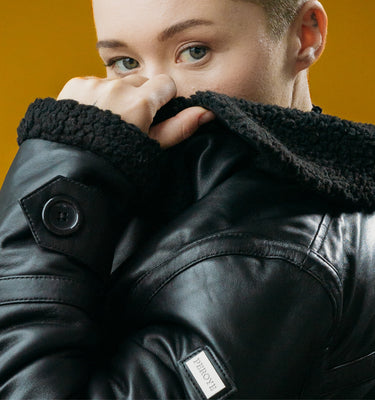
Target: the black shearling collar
pixel 332 156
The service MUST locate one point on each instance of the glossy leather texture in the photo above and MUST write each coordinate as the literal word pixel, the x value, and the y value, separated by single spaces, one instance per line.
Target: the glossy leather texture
pixel 271 281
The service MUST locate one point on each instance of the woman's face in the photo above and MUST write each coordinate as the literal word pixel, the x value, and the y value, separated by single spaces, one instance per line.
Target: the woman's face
pixel 215 45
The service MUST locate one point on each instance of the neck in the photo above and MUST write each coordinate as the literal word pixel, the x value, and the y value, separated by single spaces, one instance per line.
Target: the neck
pixel 301 93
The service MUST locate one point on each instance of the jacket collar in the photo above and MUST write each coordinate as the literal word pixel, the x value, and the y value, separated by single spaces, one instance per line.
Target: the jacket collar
pixel 331 156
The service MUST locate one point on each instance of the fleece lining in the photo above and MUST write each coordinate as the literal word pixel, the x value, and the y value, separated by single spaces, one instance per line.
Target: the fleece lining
pixel 101 132
pixel 332 156
pixel 329 155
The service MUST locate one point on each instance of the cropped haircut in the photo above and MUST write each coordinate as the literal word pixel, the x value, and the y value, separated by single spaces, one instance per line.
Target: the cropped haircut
pixel 280 14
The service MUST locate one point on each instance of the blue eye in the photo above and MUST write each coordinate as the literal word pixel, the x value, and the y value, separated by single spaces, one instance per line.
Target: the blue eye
pixel 193 54
pixel 125 64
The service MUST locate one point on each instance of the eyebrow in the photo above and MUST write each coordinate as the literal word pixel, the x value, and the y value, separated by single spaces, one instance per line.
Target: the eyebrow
pixel 181 26
pixel 110 44
pixel 162 37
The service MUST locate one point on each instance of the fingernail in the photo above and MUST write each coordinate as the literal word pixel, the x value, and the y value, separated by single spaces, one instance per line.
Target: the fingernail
pixel 206 117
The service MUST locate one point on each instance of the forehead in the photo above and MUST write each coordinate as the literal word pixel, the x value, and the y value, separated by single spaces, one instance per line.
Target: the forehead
pixel 114 18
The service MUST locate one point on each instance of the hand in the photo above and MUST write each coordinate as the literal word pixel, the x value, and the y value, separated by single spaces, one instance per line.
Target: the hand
pixel 137 100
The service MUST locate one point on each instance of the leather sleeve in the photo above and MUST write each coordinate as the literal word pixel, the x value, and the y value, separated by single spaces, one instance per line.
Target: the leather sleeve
pixel 68 195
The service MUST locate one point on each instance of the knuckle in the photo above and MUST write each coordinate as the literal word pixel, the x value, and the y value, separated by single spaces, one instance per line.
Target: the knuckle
pixel 72 82
pixel 134 80
pixel 164 78
pixel 117 86
pixel 166 81
pixel 139 109
pixel 146 104
pixel 75 82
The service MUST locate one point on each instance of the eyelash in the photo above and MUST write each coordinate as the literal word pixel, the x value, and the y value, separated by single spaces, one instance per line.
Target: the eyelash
pixel 112 61
pixel 194 46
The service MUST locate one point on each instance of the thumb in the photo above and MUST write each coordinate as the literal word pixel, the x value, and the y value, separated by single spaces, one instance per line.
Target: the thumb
pixel 175 130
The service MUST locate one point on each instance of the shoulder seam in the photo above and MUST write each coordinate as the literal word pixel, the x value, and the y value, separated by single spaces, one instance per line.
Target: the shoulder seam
pixel 294 263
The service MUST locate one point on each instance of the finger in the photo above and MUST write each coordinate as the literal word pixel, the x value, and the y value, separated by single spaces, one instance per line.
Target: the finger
pixel 183 125
pixel 157 91
pixel 146 101
pixel 86 78
pixel 78 85
pixel 134 80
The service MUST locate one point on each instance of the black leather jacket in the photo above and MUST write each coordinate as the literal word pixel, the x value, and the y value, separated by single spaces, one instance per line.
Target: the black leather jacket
pixel 237 264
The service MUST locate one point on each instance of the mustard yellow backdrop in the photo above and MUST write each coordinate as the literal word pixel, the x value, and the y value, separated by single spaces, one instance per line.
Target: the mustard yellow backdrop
pixel 44 43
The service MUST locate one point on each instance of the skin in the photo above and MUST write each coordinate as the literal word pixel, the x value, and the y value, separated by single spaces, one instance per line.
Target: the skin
pixel 229 51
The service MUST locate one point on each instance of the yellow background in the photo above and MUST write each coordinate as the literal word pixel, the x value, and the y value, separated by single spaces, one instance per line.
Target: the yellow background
pixel 44 43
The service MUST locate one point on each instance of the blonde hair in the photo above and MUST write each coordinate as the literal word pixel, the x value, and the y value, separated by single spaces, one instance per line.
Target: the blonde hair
pixel 280 13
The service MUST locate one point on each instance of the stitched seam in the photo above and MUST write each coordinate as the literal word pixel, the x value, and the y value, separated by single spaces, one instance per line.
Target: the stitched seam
pixel 193 382
pixel 33 228
pixel 42 278
pixel 63 250
pixel 331 297
pixel 232 252
pixel 32 324
pixel 86 308
pixel 57 179
pixel 40 298
pixel 320 227
pixel 217 364
pixel 37 192
pixel 29 299
pixel 349 363
pixel 324 236
pixel 192 355
pixel 293 263
pixel 329 263
pixel 53 247
pixel 207 239
pixel 317 231
pixel 207 256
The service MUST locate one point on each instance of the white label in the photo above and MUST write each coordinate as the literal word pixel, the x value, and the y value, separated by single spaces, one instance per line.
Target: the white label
pixel 205 374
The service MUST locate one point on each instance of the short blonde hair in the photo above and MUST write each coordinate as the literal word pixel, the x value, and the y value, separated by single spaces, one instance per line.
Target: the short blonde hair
pixel 280 13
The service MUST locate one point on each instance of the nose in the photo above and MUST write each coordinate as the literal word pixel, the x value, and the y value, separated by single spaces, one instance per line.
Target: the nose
pixel 185 87
pixel 151 70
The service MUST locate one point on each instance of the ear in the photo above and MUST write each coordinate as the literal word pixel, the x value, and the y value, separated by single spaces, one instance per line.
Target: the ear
pixel 310 31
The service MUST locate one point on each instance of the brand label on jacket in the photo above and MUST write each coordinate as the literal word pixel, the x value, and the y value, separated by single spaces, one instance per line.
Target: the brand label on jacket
pixel 204 372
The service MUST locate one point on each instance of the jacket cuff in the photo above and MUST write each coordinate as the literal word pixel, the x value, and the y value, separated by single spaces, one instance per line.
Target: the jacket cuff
pixel 100 132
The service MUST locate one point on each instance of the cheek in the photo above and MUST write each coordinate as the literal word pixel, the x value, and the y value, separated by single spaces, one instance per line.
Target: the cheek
pixel 228 80
pixel 188 83
pixel 257 78
pixel 246 81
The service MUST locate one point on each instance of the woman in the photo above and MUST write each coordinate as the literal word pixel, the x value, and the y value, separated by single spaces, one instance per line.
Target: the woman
pixel 142 257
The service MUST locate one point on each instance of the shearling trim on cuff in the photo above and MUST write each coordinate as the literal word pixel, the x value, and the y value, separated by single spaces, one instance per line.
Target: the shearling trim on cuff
pixel 101 132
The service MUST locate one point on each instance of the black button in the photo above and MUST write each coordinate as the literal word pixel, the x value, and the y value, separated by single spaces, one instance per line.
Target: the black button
pixel 61 215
